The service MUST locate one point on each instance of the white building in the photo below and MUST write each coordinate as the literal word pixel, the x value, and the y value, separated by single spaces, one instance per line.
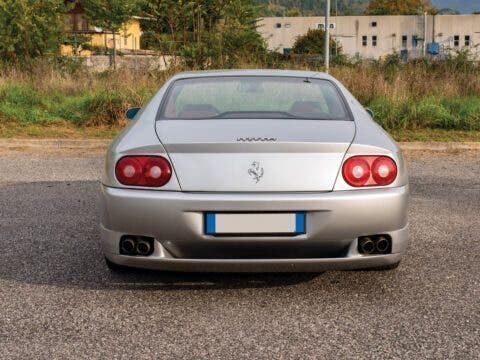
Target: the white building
pixel 376 36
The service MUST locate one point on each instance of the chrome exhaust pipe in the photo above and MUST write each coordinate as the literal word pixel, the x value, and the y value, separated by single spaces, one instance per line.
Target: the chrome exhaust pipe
pixel 382 244
pixel 367 246
pixel 127 245
pixel 143 248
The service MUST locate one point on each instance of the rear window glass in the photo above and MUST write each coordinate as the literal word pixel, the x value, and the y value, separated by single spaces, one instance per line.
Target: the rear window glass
pixel 258 97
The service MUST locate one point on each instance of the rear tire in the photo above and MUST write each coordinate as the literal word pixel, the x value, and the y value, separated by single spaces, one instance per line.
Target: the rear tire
pixel 115 267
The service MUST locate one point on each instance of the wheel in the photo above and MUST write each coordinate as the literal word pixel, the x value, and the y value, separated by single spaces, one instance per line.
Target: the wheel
pixel 115 267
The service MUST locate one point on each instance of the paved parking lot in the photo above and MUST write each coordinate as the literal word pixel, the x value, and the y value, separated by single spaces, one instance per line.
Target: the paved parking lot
pixel 58 300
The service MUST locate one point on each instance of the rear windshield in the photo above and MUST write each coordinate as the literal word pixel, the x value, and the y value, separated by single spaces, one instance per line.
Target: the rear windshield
pixel 246 97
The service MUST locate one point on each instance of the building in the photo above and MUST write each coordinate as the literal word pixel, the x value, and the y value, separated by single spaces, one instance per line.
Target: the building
pixel 377 36
pixel 77 25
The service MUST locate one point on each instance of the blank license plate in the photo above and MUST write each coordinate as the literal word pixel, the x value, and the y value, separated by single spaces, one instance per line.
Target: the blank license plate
pixel 255 223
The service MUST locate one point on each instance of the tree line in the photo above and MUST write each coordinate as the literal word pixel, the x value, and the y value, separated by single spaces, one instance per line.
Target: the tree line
pixel 202 31
pixel 345 7
pixel 213 33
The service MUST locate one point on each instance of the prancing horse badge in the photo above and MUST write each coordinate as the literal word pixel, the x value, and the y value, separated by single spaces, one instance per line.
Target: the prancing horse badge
pixel 256 171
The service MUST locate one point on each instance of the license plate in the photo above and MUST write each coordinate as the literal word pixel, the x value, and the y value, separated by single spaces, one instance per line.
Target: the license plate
pixel 255 223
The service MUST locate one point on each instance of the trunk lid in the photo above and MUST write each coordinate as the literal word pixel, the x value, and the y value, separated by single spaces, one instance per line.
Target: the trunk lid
pixel 238 155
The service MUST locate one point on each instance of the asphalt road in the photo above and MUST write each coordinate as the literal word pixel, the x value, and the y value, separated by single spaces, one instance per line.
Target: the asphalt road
pixel 58 300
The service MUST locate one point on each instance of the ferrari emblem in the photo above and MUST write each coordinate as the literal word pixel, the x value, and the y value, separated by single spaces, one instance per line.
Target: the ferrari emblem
pixel 256 171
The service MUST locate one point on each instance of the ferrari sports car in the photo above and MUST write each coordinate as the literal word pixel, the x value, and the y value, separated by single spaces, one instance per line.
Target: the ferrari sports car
pixel 253 171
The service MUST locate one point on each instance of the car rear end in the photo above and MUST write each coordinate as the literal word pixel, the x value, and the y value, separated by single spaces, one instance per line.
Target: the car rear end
pixel 296 183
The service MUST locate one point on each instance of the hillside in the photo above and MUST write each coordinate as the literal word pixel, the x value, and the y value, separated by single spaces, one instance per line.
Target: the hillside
pixel 348 7
pixel 463 6
pixel 311 7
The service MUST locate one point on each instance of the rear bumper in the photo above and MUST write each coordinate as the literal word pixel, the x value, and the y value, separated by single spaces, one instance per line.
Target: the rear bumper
pixel 255 265
pixel 175 220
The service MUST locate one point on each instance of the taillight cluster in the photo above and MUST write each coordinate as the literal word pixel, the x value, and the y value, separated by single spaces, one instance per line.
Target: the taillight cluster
pixel 150 171
pixel 359 171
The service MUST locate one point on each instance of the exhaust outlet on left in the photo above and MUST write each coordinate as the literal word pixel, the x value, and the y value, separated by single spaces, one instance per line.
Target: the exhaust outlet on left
pixel 133 245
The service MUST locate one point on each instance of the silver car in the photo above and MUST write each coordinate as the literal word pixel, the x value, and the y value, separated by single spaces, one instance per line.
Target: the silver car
pixel 256 170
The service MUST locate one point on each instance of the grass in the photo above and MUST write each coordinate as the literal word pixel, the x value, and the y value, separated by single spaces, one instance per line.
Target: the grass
pixel 103 104
pixel 66 130
pixel 429 112
pixel 57 130
pixel 441 135
pixel 416 101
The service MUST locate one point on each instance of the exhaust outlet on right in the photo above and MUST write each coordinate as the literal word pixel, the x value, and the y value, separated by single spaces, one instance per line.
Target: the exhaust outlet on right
pixel 133 245
pixel 375 244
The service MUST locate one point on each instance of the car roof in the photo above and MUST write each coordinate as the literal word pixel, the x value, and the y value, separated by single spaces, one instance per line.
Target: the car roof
pixel 254 72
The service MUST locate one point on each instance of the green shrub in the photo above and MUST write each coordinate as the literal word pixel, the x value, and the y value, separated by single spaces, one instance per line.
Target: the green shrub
pixel 421 94
pixel 428 113
pixel 24 104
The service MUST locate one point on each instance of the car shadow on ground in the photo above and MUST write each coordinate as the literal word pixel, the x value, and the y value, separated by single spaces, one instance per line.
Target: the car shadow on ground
pixel 155 280
pixel 50 235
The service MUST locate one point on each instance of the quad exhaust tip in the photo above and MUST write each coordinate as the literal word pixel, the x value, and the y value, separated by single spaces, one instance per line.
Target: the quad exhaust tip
pixel 143 247
pixel 366 245
pixel 132 245
pixel 375 244
pixel 127 245
pixel 382 244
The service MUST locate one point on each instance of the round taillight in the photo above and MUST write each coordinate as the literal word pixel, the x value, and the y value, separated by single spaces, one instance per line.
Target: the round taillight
pixel 356 171
pixel 384 171
pixel 157 171
pixel 369 170
pixel 150 171
pixel 128 171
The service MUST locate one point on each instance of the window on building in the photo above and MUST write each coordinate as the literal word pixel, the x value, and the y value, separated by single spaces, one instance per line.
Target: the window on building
pixel 404 41
pixel 77 22
pixel 364 40
pixel 331 26
pixel 374 40
pixel 374 24
pixel 125 38
pixel 278 25
pixel 414 41
pixel 467 40
pixel 456 40
pixel 83 23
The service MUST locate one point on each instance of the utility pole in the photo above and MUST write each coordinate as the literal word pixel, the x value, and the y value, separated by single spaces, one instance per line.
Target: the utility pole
pixel 327 35
pixel 425 34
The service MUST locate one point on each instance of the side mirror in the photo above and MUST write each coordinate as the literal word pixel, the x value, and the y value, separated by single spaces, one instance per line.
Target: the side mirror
pixel 370 112
pixel 130 113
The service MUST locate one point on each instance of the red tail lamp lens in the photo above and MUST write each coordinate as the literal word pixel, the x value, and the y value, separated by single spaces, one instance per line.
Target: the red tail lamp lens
pixel 150 171
pixel 356 171
pixel 128 171
pixel 384 171
pixel 361 171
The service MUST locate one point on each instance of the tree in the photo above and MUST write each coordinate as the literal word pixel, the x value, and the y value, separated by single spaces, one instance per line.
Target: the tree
pixel 294 11
pixel 448 11
pixel 111 15
pixel 240 39
pixel 213 33
pixel 313 43
pixel 30 28
pixel 399 7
